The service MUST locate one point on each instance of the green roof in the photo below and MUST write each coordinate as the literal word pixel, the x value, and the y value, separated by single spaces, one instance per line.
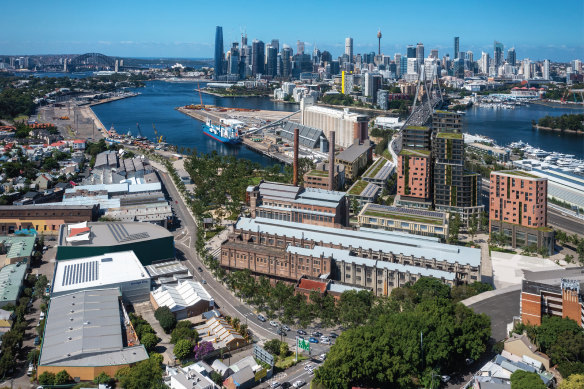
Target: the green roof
pixel 449 135
pixel 320 173
pixel 375 168
pixel 420 153
pixel 419 128
pixel 519 173
pixel 357 187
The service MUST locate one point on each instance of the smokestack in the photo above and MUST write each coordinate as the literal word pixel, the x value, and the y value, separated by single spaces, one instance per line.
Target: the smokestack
pixel 295 178
pixel 331 177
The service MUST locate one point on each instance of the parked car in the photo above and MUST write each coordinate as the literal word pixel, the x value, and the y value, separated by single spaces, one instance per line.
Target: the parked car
pixel 281 332
pixel 445 378
pixel 313 340
pixel 333 335
pixel 203 281
pixel 324 337
pixel 325 342
pixel 285 385
pixel 307 366
pixel 298 383
pixel 301 332
pixel 37 341
pixel 316 333
pixel 30 369
pixel 42 315
pixel 200 269
pixel 274 385
pixel 273 323
pixel 322 357
pixel 261 318
pixel 285 327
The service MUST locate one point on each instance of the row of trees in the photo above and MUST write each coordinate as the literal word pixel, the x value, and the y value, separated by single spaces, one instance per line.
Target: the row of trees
pixel 573 241
pixel 145 332
pixel 406 341
pixel 564 122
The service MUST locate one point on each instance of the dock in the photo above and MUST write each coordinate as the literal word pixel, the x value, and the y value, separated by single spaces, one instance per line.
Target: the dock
pixel 250 117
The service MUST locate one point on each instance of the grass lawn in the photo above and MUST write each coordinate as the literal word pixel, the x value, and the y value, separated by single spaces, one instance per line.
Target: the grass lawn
pixel 358 187
pixel 289 361
pixel 376 167
pixel 501 250
pixel 387 155
pixel 320 173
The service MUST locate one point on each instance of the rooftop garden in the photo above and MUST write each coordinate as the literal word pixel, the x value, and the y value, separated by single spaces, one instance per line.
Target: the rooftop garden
pixel 357 188
pixel 519 173
pixel 419 153
pixel 400 216
pixel 449 135
pixel 418 128
pixel 319 173
pixel 375 168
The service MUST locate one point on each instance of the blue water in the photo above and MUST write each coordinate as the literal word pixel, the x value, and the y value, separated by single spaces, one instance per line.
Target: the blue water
pixel 156 105
pixel 511 125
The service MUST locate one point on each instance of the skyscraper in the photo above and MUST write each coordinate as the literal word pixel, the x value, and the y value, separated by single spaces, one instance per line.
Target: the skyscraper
pixel 498 54
pixel 470 56
pixel 546 69
pixel 276 44
pixel 484 63
pixel 411 52
pixel 456 47
pixel 511 57
pixel 271 61
pixel 434 53
pixel 234 58
pixel 420 53
pixel 218 51
pixel 349 48
pixel 299 47
pixel 257 57
pixel 286 61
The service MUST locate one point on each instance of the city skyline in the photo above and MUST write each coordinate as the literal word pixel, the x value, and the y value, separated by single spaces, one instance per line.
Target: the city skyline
pixel 148 31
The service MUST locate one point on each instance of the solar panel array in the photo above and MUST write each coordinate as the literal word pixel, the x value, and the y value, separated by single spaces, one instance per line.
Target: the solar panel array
pixel 80 272
pixel 122 235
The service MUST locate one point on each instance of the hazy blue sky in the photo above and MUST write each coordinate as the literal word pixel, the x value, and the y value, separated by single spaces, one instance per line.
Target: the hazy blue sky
pixel 538 29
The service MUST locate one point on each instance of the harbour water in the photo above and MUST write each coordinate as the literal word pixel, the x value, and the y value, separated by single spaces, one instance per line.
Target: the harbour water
pixel 157 101
pixel 156 105
pixel 512 125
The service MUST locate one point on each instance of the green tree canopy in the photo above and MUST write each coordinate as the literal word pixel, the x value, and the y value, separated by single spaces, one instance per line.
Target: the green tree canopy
pixel 521 379
pixel 183 348
pixel 149 341
pixel 166 319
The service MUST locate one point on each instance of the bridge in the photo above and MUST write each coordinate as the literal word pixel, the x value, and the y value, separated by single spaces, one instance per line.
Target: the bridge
pixel 93 61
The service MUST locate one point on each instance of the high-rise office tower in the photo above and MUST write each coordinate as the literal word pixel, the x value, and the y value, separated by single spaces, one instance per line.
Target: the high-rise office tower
pixel 326 56
pixel 397 59
pixel 349 48
pixel 470 56
pixel 456 46
pixel 511 57
pixel 420 53
pixel 234 59
pixel 498 54
pixel 218 51
pixel 286 61
pixel 434 53
pixel 484 63
pixel 403 65
pixel 272 61
pixel 276 44
pixel 257 57
pixel 412 66
pixel 299 47
pixel 527 69
pixel 411 52
pixel 546 69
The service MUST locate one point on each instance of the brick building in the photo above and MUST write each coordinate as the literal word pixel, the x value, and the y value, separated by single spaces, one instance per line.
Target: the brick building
pixel 553 293
pixel 518 209
pixel 45 218
pixel 318 177
pixel 413 175
pixel 285 202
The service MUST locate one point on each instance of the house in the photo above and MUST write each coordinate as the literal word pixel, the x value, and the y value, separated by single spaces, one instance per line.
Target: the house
pixel 243 379
pixel 43 182
pixel 79 144
pixel 221 334
pixel 521 346
pixel 195 376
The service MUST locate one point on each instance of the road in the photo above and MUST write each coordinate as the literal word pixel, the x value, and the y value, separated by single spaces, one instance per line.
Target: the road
pixel 229 304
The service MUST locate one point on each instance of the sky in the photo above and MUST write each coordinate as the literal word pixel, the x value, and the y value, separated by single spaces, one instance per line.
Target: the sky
pixel 538 29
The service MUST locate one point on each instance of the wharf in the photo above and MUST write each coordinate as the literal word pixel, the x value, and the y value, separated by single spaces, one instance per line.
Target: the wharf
pixel 260 147
pixel 114 98
pixel 250 117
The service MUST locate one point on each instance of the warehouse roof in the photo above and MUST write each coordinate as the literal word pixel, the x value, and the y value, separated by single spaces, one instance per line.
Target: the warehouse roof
pixel 375 239
pixel 308 136
pixel 354 151
pixel 99 271
pixel 113 234
pixel 345 256
pixel 186 294
pixel 286 192
pixel 11 278
pixel 37 207
pixel 85 329
pixel 18 246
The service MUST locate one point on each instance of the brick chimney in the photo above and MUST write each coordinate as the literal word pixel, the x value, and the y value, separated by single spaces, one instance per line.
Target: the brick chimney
pixel 331 177
pixel 295 177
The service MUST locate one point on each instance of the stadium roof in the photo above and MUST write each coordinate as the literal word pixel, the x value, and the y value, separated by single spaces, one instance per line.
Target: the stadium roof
pixel 99 271
pixel 85 329
pixel 374 239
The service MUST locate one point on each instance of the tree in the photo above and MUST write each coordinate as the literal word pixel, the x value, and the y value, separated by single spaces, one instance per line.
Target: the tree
pixel 183 330
pixel 521 379
pixel 454 228
pixel 166 319
pixel 33 355
pixel 183 348
pixel 273 346
pixel 145 374
pixel 473 226
pixel 284 349
pixel 47 378
pixel 102 378
pixel 217 378
pixel 202 349
pixel 62 378
pixel 7 360
pixel 551 327
pixel 430 287
pixel 149 341
pixel 575 381
pixel 354 307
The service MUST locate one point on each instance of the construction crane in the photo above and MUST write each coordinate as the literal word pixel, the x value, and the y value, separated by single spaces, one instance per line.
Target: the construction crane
pixel 139 130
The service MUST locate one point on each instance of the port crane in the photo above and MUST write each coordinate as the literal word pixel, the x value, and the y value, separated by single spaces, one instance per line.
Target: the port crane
pixel 140 131
pixel 157 139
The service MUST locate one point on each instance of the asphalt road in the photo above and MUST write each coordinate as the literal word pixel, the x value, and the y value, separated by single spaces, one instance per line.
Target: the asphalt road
pixel 501 309
pixel 185 237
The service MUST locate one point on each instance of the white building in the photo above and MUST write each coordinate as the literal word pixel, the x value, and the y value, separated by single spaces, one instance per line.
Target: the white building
pixel 546 69
pixel 412 66
pixel 121 270
pixel 347 125
pixel 188 298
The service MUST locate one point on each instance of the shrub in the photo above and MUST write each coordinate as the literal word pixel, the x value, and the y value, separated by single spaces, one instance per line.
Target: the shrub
pixel 166 319
pixel 183 349
pixel 47 378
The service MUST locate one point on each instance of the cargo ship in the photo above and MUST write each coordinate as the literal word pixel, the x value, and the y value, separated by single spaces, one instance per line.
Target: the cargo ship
pixel 226 135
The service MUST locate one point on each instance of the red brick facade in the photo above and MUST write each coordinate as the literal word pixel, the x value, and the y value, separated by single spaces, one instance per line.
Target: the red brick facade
pixel 530 309
pixel 413 176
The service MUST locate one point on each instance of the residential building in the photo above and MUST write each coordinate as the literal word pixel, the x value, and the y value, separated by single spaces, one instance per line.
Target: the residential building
pixel 496 374
pixel 319 177
pixel 499 153
pixel 518 209
pixel 303 205
pixel 349 48
pixel 417 138
pixel 379 172
pixel 286 251
pixel 552 293
pixel 355 158
pixel 121 270
pixel 195 376
pixel 446 121
pixel 187 299
pixel 85 334
pixel 347 126
pixel 522 347
pixel 362 192
pixel 150 243
pixel 414 179
pixel 413 221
